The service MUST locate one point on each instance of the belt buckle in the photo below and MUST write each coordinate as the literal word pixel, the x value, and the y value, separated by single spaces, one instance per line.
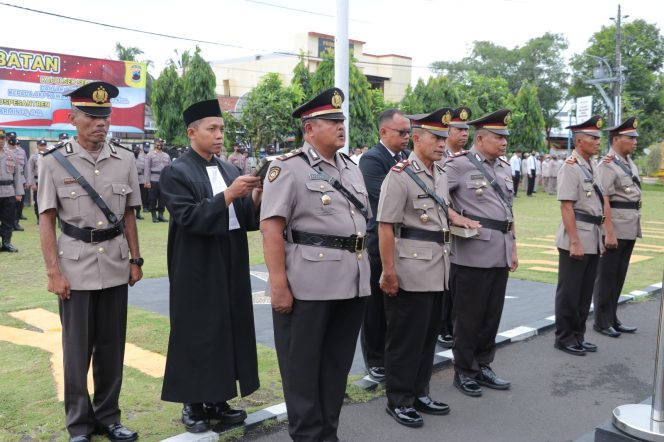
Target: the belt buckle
pixel 638 204
pixel 446 236
pixel 92 236
pixel 602 220
pixel 359 243
pixel 509 226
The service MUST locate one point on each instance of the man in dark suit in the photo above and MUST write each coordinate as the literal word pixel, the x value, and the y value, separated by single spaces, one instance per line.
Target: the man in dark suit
pixel 394 131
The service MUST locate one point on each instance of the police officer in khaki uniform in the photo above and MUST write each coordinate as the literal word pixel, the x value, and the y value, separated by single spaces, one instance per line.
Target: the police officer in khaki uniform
pixel 32 172
pixel 579 238
pixel 313 220
pixel 139 158
pixel 455 142
pixel 619 178
pixel 11 191
pixel 480 183
pixel 154 164
pixel 21 162
pixel 89 266
pixel 414 241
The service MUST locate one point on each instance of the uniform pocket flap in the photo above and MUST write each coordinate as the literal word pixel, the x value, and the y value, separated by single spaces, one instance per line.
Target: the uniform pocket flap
pixel 476 184
pixel 321 253
pixel 70 251
pixel 121 188
pixel 587 186
pixel 359 188
pixel 423 203
pixel 319 186
pixel 71 192
pixel 626 181
pixel 409 252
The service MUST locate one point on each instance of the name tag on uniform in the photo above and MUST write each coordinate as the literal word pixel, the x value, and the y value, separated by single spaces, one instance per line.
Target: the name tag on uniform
pixel 218 186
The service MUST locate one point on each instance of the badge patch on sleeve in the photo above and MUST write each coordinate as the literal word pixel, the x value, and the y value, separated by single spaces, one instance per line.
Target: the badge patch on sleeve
pixel 273 173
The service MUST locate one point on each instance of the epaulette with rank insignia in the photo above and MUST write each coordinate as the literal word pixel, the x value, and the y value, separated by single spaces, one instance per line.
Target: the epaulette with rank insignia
pixel 457 154
pixel 400 166
pixel 609 158
pixel 291 154
pixel 346 157
pixel 116 143
pixel 504 160
pixel 55 147
pixel 571 160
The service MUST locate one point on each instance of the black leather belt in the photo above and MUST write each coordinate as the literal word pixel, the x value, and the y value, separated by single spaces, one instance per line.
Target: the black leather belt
pixel 441 237
pixel 353 243
pixel 625 205
pixel 580 216
pixel 156 173
pixel 6 182
pixel 88 234
pixel 493 224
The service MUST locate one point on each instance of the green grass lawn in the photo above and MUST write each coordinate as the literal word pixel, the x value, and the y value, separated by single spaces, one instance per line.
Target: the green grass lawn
pixel 29 409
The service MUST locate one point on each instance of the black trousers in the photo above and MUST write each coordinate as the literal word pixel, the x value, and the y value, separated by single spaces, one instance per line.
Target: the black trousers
pixel 156 200
pixel 413 319
pixel 7 218
pixel 94 324
pixel 611 273
pixel 19 210
pixel 531 182
pixel 479 296
pixel 145 200
pixel 315 346
pixel 372 337
pixel 446 319
pixel 516 178
pixel 573 295
pixel 34 205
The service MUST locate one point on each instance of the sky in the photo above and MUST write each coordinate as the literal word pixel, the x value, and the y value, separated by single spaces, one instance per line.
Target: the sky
pixel 426 30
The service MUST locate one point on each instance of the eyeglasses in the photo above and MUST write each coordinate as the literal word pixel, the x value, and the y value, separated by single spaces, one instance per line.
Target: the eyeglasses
pixel 402 132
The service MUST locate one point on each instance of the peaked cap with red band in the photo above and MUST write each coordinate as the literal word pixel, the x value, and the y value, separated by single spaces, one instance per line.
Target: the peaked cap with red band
pixel 592 126
pixel 495 122
pixel 628 128
pixel 94 98
pixel 435 122
pixel 326 106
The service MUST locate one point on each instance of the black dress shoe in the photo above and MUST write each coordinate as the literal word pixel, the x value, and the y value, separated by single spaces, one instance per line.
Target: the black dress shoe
pixel 154 218
pixel 574 349
pixel 224 413
pixel 118 433
pixel 194 418
pixel 18 228
pixel 488 378
pixel 139 216
pixel 427 405
pixel 378 373
pixel 161 218
pixel 23 218
pixel 407 416
pixel 608 331
pixel 467 385
pixel 83 438
pixel 587 346
pixel 625 328
pixel 446 341
pixel 8 248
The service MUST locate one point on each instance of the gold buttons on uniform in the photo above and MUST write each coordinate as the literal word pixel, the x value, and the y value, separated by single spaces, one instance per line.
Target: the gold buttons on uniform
pixel 628 189
pixel 320 255
pixel 325 199
pixel 97 172
pixel 322 186
pixel 414 255
pixel 124 190
pixel 424 206
pixel 61 253
pixel 352 212
pixel 424 218
pixel 73 193
pixel 100 250
pixel 479 192
pixel 359 256
pixel 100 223
pixel 445 251
pixel 589 193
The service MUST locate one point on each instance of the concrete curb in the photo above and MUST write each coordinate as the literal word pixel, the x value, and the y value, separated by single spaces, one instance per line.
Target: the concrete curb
pixel 441 359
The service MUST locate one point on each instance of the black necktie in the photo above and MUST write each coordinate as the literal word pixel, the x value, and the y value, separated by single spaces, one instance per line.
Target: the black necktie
pixel 397 157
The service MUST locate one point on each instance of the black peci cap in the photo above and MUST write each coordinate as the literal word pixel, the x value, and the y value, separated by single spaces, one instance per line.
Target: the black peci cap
pixel 202 109
pixel 495 122
pixel 326 106
pixel 42 142
pixel 63 136
pixel 94 98
pixel 435 122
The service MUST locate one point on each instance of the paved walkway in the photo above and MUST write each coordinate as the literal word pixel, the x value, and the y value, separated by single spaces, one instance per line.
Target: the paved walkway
pixel 526 303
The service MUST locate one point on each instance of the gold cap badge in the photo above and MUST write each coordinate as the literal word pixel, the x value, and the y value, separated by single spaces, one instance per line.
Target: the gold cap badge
pixel 100 95
pixel 337 100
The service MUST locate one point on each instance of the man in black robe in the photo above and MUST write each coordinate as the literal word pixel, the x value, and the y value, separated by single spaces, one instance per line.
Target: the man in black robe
pixel 212 342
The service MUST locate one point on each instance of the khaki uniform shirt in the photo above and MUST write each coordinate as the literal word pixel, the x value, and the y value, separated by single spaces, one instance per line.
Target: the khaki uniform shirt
pixel 21 161
pixel 32 171
pixel 140 167
pixel 618 186
pixel 575 186
pixel 421 266
pixel 90 266
pixel 471 192
pixel 292 192
pixel 9 172
pixel 154 164
pixel 554 168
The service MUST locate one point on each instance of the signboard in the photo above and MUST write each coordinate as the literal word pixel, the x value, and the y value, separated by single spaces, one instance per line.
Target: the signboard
pixel 32 84
pixel 328 43
pixel 584 108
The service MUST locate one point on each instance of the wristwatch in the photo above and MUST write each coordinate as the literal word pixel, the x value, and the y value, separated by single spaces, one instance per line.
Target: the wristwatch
pixel 137 261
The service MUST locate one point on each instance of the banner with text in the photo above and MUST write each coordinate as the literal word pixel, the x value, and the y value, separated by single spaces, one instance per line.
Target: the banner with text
pixel 32 84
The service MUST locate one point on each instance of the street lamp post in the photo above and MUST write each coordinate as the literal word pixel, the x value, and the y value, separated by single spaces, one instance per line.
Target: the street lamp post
pixel 618 86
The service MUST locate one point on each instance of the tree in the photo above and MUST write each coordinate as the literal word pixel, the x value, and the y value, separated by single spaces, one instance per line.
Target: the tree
pixel 302 77
pixel 527 124
pixel 167 106
pixel 266 115
pixel 200 83
pixel 363 126
pixel 437 92
pixel 642 60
